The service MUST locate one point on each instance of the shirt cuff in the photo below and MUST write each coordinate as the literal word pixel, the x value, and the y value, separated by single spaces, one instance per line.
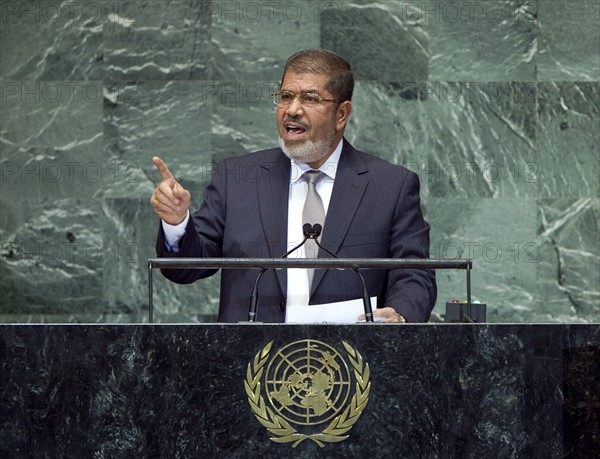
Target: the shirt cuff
pixel 173 233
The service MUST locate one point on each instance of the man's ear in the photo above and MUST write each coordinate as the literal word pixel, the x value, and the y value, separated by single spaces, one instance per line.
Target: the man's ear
pixel 342 114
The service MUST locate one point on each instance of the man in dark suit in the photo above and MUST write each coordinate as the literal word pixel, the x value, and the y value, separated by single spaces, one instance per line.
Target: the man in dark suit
pixel 371 209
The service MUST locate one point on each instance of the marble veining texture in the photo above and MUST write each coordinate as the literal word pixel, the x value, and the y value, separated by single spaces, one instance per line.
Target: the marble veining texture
pixel 495 104
pixel 446 390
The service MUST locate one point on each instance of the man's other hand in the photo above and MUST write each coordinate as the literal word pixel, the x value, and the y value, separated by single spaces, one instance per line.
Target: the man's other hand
pixel 387 315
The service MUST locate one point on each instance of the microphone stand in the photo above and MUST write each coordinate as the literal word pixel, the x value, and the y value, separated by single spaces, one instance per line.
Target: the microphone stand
pixel 254 297
pixel 314 234
pixel 310 232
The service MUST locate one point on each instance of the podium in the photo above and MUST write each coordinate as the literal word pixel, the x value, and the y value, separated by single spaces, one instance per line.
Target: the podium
pixel 354 264
pixel 229 390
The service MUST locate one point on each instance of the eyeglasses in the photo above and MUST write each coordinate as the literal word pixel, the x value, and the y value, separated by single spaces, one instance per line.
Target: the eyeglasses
pixel 307 99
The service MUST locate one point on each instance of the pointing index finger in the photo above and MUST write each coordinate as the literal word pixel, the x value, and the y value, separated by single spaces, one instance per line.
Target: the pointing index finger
pixel 162 168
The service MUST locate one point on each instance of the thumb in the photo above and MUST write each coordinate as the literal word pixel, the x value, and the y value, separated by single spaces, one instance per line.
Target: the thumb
pixel 177 190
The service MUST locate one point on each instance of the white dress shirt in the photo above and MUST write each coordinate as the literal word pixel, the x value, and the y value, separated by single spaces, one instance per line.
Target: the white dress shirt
pixel 297 279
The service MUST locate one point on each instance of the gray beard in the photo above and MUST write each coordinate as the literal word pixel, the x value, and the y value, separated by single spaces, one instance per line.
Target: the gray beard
pixel 306 151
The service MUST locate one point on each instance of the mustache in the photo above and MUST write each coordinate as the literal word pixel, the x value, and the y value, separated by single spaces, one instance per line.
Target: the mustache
pixel 297 120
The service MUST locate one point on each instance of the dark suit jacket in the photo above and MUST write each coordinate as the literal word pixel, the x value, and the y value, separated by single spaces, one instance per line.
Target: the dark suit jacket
pixel 374 212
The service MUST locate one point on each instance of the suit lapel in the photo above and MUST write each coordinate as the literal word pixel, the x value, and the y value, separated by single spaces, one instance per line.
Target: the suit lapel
pixel 348 190
pixel 273 191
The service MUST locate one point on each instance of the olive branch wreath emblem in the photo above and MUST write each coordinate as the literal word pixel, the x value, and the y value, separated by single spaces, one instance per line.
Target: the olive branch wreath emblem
pixel 284 432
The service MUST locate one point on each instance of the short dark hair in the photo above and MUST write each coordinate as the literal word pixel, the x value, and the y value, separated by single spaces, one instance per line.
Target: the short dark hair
pixel 324 62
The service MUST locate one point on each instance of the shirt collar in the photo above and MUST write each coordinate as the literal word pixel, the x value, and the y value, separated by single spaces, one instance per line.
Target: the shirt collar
pixel 329 168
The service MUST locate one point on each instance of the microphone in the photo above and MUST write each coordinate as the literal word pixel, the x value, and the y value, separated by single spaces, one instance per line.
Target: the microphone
pixel 308 231
pixel 311 231
pixel 314 233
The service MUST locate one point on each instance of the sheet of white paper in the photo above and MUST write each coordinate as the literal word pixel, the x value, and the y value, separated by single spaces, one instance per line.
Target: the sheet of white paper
pixel 342 312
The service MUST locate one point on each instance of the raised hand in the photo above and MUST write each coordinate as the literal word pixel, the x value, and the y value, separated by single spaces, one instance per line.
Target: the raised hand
pixel 170 200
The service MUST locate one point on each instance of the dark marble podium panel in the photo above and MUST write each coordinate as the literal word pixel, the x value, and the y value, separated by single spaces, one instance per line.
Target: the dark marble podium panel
pixel 443 390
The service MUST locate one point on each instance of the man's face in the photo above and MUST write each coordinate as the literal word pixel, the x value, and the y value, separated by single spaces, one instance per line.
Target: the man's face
pixel 310 135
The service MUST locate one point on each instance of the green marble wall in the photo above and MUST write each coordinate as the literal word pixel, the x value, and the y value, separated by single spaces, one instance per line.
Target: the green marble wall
pixel 494 103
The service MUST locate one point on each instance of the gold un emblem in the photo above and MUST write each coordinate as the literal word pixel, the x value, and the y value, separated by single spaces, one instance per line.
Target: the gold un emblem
pixel 310 393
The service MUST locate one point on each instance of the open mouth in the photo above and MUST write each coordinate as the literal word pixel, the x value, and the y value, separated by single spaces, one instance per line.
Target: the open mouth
pixel 294 130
